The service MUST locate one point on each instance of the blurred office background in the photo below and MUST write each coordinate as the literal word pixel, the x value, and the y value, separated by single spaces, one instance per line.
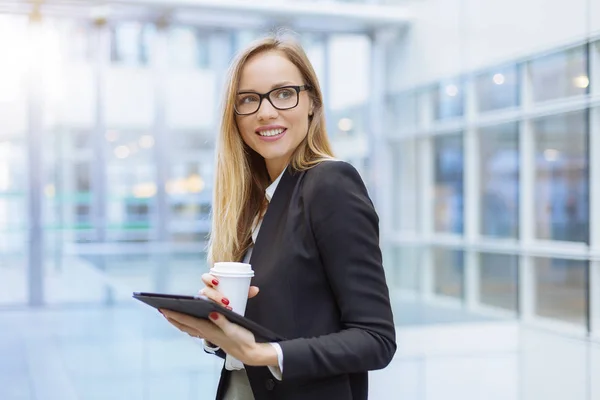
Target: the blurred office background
pixel 475 124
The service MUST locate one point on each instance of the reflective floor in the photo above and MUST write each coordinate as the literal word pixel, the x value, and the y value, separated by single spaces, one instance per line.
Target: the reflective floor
pixel 92 341
pixel 128 352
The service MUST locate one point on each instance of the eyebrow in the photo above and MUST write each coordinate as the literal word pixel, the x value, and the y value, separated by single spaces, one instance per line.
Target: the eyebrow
pixel 276 85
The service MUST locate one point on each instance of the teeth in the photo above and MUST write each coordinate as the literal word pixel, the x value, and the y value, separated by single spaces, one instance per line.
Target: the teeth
pixel 272 132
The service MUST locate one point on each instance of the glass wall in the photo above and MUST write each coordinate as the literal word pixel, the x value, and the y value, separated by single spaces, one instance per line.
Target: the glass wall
pixel 128 118
pixel 13 161
pixel 560 75
pixel 498 192
pixel 449 184
pixel 498 89
pixel 499 180
pixel 498 280
pixel 562 185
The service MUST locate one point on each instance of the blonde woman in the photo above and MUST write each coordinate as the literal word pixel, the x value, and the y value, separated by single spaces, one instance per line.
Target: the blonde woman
pixel 306 224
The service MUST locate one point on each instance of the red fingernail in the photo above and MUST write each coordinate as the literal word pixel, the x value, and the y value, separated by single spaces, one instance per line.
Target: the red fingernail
pixel 213 316
pixel 225 301
pixel 215 282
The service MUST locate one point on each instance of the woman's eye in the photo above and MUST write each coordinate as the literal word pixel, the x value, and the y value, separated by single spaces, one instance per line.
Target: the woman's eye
pixel 247 99
pixel 284 94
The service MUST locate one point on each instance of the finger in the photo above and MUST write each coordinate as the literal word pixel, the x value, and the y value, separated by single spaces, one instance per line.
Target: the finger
pixel 210 280
pixel 221 322
pixel 253 291
pixel 215 296
pixel 196 324
pixel 184 328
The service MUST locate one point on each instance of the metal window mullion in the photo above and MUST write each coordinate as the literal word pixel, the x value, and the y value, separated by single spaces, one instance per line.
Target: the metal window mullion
pixel 471 171
pixel 378 151
pixel 425 149
pixel 472 216
pixel 526 275
pixel 594 72
pixel 594 193
pixel 159 62
pixel 594 285
pixel 101 51
pixel 34 137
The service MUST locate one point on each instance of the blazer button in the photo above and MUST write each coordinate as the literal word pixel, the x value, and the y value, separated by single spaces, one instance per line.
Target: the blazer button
pixel 270 384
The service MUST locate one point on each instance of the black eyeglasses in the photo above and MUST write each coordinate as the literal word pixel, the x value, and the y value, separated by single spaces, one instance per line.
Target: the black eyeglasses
pixel 282 98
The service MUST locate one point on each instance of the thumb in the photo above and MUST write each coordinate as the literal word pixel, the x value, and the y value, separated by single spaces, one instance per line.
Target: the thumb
pixel 253 291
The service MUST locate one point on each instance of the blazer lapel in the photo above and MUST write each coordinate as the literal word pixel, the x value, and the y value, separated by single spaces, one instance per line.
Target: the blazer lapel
pixel 276 212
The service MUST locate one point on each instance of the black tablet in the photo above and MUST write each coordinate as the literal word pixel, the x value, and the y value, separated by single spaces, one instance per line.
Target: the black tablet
pixel 201 307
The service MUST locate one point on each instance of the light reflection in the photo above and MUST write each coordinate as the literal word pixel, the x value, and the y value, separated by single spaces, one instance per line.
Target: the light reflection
pixel 146 141
pixel 192 184
pixel 144 190
pixel 122 152
pixel 451 90
pixel 581 81
pixel 499 79
pixel 112 136
pixel 345 124
pixel 50 190
pixel 551 155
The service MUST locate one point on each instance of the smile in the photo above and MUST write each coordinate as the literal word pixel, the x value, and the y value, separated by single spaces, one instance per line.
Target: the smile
pixel 271 132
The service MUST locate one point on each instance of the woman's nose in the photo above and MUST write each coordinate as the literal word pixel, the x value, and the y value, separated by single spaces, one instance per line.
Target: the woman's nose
pixel 266 111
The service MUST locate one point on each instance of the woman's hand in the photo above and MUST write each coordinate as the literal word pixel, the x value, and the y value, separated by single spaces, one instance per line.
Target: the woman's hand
pixel 212 293
pixel 231 338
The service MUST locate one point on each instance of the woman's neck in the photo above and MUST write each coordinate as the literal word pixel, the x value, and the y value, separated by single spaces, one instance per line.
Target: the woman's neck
pixel 275 167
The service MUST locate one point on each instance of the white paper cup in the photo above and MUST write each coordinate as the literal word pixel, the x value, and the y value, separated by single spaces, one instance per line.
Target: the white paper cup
pixel 234 283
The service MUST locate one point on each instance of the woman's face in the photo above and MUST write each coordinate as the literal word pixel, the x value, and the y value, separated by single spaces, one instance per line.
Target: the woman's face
pixel 273 133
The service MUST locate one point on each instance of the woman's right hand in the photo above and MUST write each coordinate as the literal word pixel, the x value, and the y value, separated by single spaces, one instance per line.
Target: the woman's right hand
pixel 212 293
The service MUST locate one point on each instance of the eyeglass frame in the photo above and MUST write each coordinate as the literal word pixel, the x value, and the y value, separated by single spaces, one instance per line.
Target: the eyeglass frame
pixel 297 88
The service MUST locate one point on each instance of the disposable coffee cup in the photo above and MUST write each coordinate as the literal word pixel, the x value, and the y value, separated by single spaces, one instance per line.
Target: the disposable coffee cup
pixel 234 283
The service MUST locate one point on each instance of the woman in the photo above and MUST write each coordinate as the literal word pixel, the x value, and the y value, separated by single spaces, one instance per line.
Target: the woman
pixel 306 224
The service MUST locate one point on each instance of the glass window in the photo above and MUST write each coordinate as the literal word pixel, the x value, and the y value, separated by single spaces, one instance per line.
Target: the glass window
pixel 314 45
pixel 561 289
pixel 13 184
pixel 560 75
pixel 402 112
pixel 449 272
pixel 498 89
pixel 13 218
pixel 403 267
pixel 448 99
pixel 131 43
pixel 131 192
pixel 188 189
pixel 405 187
pixel 561 168
pixel 340 49
pixel 498 278
pixel 76 40
pixel 448 190
pixel 183 48
pixel 189 184
pixel 68 161
pixel 499 180
pixel 188 48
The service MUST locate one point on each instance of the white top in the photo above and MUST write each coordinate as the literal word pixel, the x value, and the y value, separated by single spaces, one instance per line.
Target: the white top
pixel 269 193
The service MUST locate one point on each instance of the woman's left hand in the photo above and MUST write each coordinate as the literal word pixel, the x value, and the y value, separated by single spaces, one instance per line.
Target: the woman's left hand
pixel 231 338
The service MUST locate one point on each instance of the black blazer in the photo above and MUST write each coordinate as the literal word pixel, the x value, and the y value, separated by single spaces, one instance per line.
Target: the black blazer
pixel 318 265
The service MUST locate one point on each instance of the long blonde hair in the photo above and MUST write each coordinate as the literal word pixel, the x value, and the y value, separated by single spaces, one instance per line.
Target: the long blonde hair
pixel 241 176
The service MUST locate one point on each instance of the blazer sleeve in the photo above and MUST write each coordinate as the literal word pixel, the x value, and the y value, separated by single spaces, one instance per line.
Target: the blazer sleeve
pixel 345 227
